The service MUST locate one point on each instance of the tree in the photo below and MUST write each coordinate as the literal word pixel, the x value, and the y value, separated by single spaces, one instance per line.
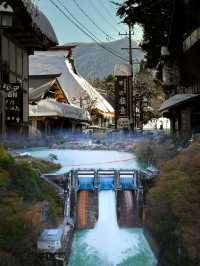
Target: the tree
pixel 106 88
pixel 147 89
pixel 174 209
pixel 160 22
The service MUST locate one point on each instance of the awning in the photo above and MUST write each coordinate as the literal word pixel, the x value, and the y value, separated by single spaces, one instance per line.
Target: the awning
pixel 52 108
pixel 176 100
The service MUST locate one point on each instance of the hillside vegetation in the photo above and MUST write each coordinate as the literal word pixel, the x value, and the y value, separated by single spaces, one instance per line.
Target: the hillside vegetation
pixel 173 206
pixel 27 205
pixel 93 62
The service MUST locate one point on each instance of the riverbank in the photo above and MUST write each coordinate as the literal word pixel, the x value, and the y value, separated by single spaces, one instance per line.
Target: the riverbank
pixel 173 209
pixel 27 205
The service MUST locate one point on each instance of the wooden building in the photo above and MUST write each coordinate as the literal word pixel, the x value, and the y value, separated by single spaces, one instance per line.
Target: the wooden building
pixel 30 31
pixel 182 78
pixel 79 91
pixel 50 111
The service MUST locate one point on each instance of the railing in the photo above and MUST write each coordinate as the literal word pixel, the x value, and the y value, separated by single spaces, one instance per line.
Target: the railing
pixel 123 179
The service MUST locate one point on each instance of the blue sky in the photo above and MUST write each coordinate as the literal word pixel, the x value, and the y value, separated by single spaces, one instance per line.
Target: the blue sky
pixel 102 12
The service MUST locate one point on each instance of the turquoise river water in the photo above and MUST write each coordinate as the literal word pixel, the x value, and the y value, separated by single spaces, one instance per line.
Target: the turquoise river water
pixel 106 244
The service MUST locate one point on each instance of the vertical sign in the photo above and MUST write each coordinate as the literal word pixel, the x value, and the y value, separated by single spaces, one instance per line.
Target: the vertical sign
pixel 13 104
pixel 122 102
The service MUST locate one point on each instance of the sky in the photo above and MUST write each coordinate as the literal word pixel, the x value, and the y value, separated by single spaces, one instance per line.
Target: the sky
pixel 101 12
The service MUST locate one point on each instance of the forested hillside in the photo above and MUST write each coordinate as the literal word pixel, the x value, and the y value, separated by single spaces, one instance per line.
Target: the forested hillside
pixel 173 206
pixel 93 62
pixel 27 205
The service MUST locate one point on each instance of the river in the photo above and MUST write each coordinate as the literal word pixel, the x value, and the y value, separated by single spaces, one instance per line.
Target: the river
pixel 106 244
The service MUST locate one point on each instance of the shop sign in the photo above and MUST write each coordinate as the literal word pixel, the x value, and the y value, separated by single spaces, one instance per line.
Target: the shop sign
pixel 13 103
pixel 122 98
pixel 123 122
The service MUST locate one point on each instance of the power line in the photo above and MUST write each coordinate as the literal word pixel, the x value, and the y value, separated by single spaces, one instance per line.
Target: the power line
pixel 110 13
pixel 77 21
pixel 96 39
pixel 91 20
pixel 85 28
pixel 84 31
pixel 102 15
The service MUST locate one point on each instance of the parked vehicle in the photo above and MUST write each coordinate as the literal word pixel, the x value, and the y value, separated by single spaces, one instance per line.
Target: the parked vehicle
pixel 51 240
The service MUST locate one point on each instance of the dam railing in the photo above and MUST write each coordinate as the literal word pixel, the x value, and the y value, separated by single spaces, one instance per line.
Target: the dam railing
pixel 100 179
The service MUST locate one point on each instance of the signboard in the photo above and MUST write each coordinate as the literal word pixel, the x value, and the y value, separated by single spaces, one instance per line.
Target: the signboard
pixel 122 102
pixel 123 122
pixel 13 103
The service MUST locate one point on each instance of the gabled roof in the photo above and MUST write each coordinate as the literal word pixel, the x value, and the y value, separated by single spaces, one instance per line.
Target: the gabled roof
pixel 40 84
pixel 73 84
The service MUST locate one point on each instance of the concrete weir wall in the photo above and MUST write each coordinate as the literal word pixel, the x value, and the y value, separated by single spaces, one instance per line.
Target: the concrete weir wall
pixel 87 209
pixel 129 213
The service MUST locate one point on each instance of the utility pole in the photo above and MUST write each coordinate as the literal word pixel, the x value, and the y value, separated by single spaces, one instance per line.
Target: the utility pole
pixel 130 49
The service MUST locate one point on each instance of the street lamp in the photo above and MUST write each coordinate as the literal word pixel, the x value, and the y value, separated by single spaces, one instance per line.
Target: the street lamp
pixel 6 15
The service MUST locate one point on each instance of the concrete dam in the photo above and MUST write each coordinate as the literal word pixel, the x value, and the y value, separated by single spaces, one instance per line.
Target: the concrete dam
pixel 103 212
pixel 128 196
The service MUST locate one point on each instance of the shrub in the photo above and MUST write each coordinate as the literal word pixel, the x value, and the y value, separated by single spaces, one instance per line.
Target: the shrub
pixel 174 207
pixel 6 160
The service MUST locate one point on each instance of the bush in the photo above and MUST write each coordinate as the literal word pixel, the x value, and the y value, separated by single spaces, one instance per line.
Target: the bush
pixel 174 208
pixel 6 160
pixel 154 152
pixel 4 179
pixel 22 195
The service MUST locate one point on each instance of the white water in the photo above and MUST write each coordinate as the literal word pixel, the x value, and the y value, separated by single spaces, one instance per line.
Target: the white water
pixel 112 243
pixel 106 244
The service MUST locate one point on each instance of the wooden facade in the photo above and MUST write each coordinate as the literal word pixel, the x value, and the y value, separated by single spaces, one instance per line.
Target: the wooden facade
pixel 185 114
pixel 16 44
pixel 46 117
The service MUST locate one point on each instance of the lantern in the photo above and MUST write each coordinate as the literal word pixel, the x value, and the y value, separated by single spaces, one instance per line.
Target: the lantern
pixel 6 15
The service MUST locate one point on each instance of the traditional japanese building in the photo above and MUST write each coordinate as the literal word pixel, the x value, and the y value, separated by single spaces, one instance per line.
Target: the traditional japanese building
pixel 181 71
pixel 78 91
pixel 24 29
pixel 50 112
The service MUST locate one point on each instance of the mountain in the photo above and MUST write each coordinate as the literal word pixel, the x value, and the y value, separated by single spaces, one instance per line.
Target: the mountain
pixel 94 62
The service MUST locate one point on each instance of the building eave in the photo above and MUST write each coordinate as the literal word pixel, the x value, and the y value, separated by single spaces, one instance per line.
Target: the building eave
pixel 177 100
pixel 31 28
pixel 191 40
